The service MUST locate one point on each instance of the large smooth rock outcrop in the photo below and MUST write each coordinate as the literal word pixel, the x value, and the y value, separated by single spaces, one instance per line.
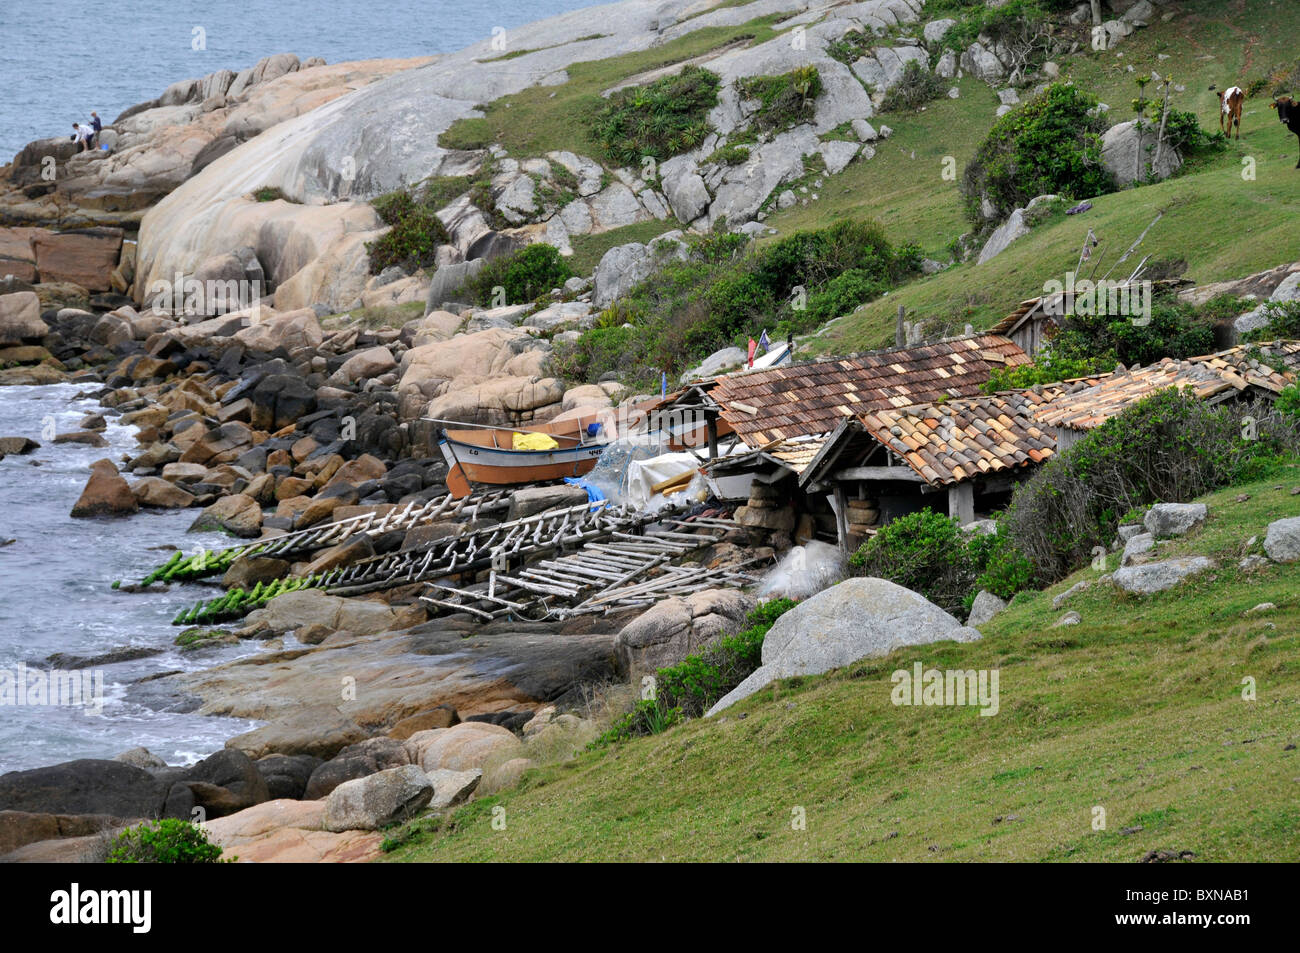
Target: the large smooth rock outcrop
pixel 291 832
pixel 1124 154
pixel 367 804
pixel 859 618
pixel 1282 540
pixel 1163 520
pixel 87 786
pixel 1149 578
pixel 677 626
pixel 467 746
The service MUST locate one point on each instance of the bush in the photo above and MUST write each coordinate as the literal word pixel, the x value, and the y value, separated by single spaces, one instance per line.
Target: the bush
pixel 661 120
pixel 915 88
pixel 524 276
pixel 1283 322
pixel 414 236
pixel 1288 403
pixel 923 551
pixel 1087 344
pixel 168 841
pixel 1170 447
pixel 692 686
pixel 1051 145
pixel 786 99
pixel 727 290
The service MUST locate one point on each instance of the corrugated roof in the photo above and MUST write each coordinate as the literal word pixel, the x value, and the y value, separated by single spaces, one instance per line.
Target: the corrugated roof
pixel 1209 376
pixel 964 438
pixel 812 398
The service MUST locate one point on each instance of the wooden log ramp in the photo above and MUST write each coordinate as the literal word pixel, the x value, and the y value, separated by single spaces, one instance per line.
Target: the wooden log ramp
pixel 204 563
pixel 619 571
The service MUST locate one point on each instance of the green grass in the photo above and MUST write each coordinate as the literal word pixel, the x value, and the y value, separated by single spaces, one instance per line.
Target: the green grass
pixel 542 119
pixel 903 186
pixel 588 249
pixel 1138 710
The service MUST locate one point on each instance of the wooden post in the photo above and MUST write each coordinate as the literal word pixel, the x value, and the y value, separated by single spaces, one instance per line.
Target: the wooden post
pixel 711 427
pixel 841 517
pixel 899 340
pixel 961 502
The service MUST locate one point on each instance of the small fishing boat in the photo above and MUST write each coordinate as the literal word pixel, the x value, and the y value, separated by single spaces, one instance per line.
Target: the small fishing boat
pixel 505 456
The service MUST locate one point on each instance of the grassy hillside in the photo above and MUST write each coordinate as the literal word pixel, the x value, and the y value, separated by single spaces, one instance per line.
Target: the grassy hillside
pixel 1222 225
pixel 1138 710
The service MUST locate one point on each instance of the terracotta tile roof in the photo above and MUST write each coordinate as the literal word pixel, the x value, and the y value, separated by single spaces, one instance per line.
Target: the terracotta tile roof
pixel 1209 376
pixel 794 455
pixel 812 398
pixel 963 438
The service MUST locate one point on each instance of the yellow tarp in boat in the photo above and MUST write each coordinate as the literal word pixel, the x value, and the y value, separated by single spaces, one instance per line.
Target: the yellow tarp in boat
pixel 534 441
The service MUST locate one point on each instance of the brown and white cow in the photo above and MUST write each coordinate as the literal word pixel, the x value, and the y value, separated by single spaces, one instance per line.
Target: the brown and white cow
pixel 1288 110
pixel 1230 102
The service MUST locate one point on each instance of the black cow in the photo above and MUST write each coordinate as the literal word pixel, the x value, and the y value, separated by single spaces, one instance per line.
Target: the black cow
pixel 1288 110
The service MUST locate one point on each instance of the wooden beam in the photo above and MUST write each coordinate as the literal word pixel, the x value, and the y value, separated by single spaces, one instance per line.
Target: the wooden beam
pixel 841 517
pixel 878 473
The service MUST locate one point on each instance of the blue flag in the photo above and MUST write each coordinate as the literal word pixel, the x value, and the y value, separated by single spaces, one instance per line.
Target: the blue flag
pixel 763 342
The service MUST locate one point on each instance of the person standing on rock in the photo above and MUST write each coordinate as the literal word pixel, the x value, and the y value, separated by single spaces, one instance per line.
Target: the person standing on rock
pixel 83 135
pixel 96 125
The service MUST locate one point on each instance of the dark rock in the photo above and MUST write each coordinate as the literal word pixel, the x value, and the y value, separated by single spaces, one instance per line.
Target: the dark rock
pixel 356 761
pixel 510 720
pixel 287 775
pixel 226 782
pixel 86 786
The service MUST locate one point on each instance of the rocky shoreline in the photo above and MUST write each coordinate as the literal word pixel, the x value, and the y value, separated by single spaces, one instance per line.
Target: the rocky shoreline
pixel 301 395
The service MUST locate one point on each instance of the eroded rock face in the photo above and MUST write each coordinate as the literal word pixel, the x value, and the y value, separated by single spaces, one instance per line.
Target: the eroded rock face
pixel 20 319
pixel 679 626
pixel 860 618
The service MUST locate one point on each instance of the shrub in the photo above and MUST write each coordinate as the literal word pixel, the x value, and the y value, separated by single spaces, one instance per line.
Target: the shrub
pixel 727 289
pixel 1184 132
pixel 1283 322
pixel 524 276
pixel 168 841
pixel 660 120
pixel 414 236
pixel 692 686
pixel 1169 447
pixel 786 99
pixel 923 551
pixel 916 87
pixel 730 155
pixel 1288 403
pixel 1049 145
pixel 269 194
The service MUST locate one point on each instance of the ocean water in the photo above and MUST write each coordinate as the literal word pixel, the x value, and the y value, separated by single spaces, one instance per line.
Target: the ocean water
pixel 56 596
pixel 60 60
pixel 57 63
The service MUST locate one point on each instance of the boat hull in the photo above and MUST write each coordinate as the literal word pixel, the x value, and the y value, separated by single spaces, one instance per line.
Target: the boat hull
pixel 501 467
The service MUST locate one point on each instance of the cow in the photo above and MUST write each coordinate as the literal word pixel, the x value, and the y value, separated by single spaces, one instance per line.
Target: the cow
pixel 1230 103
pixel 1288 110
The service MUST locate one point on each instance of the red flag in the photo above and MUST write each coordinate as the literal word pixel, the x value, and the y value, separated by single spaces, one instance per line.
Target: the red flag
pixel 753 345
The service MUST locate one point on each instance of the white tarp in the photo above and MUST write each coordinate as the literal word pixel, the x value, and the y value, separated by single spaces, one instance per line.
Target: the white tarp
pixel 644 474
